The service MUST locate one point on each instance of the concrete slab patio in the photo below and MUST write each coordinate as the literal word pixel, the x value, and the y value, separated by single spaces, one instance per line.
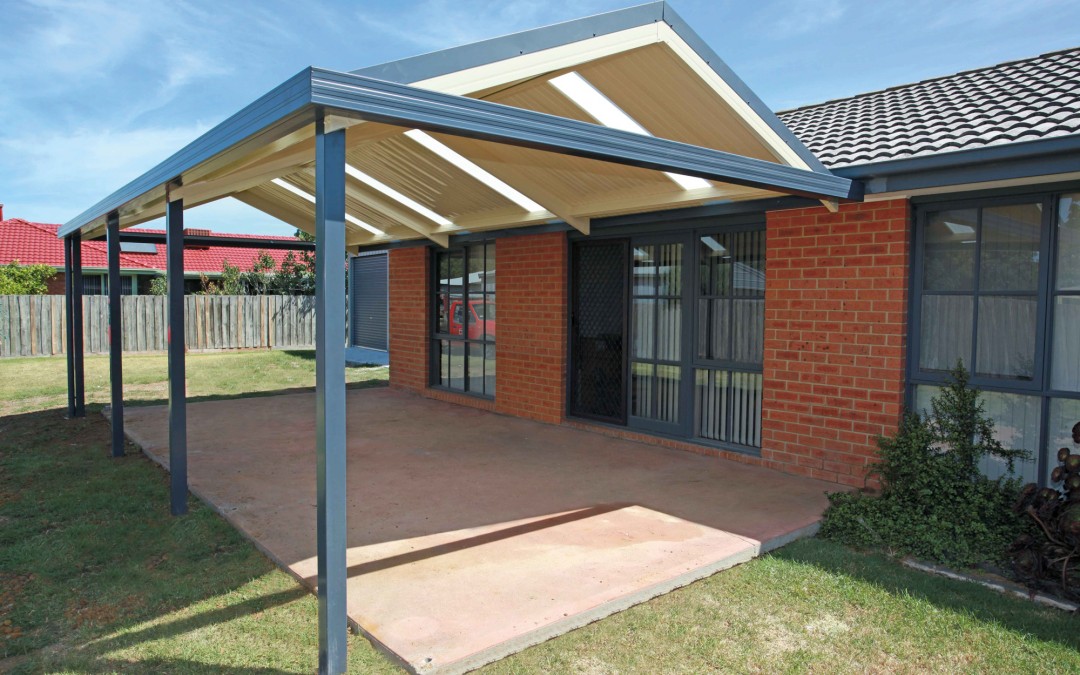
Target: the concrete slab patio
pixel 473 535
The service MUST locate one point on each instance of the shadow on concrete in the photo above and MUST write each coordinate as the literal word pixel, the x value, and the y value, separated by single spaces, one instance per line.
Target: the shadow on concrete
pixel 479 540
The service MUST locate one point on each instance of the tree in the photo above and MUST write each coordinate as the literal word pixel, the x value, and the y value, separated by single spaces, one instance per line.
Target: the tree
pixel 159 285
pixel 17 279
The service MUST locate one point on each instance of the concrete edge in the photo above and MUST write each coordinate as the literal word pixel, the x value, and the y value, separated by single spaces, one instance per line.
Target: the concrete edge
pixel 1001 587
pixel 539 635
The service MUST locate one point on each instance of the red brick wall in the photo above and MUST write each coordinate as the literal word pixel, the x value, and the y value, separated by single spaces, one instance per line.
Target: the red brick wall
pixel 56 284
pixel 410 335
pixel 835 336
pixel 532 301
pixel 532 309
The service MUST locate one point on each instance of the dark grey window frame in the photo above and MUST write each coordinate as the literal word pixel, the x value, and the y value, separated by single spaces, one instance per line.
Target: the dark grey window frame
pixel 689 231
pixel 1040 384
pixel 434 362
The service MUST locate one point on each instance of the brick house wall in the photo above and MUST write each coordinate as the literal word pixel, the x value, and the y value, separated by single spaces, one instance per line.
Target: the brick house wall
pixel 530 376
pixel 836 304
pixel 835 336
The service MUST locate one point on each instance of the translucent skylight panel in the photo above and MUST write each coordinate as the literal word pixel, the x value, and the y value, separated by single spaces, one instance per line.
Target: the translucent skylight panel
pixel 390 192
pixel 590 99
pixel 471 168
pixel 311 198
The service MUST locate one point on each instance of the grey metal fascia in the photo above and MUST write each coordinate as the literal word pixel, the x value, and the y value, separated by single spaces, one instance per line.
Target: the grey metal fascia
pixel 702 48
pixel 401 105
pixel 454 59
pixel 943 160
pixel 266 114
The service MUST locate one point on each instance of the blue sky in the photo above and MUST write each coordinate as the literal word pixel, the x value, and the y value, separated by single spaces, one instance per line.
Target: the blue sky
pixel 93 92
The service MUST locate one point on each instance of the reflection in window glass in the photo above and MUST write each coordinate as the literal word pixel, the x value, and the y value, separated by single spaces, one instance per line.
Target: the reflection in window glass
pixel 1016 425
pixel 945 331
pixel 949 250
pixel 1065 372
pixel 1010 248
pixel 1006 340
pixel 1064 414
pixel 464 321
pixel 1068 243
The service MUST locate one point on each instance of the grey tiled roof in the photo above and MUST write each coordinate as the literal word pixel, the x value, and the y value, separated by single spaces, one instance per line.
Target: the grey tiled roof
pixel 1024 100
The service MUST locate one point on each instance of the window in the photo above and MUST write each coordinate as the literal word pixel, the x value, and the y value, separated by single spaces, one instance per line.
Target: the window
pixel 98 284
pixel 730 337
pixel 463 339
pixel 997 286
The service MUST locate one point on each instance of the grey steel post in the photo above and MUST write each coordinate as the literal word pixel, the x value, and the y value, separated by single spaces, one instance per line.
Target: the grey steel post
pixel 174 272
pixel 76 345
pixel 116 342
pixel 68 326
pixel 330 394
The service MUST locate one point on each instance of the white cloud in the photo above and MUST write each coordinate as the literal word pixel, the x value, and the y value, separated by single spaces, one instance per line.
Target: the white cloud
pixel 58 175
pixel 803 16
pixel 437 24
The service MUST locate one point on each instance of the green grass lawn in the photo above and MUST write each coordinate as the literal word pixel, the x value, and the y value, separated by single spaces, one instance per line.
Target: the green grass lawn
pixel 95 576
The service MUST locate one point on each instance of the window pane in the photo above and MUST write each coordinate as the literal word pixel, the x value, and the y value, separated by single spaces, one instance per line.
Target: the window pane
pixel 949 250
pixel 749 268
pixel 643 321
pixel 670 260
pixel 444 363
pixel 457 365
pixel 644 271
pixel 668 379
pixel 746 409
pixel 749 325
pixel 711 404
pixel 475 353
pixel 1068 243
pixel 489 370
pixel 718 346
pixel 1010 248
pixel 1006 340
pixel 945 331
pixel 442 267
pixel 642 376
pixel 715 265
pixel 1064 414
pixel 1065 357
pixel 1016 425
pixel 669 330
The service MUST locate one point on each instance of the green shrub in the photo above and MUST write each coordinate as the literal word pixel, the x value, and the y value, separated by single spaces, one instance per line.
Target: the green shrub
pixel 934 501
pixel 16 279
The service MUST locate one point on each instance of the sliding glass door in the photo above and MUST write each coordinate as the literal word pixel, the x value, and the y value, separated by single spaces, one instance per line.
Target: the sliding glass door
pixel 667 333
pixel 657 328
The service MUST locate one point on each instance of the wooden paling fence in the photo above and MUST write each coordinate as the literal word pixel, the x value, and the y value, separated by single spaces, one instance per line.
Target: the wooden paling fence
pixel 35 325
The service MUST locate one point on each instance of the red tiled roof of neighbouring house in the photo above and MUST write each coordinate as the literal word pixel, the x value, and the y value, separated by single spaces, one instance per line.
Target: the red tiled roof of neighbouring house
pixel 30 243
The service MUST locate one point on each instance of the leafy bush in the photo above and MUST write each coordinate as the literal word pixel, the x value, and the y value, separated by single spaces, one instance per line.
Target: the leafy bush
pixel 934 502
pixel 16 279
pixel 159 285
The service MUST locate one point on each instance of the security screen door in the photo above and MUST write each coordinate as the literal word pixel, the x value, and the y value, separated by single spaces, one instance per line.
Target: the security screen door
pixel 628 331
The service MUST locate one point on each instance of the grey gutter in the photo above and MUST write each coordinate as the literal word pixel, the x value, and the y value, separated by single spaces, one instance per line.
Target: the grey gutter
pixel 997 162
pixel 293 104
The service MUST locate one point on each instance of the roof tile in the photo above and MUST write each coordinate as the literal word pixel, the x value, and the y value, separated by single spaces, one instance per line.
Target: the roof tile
pixel 1011 102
